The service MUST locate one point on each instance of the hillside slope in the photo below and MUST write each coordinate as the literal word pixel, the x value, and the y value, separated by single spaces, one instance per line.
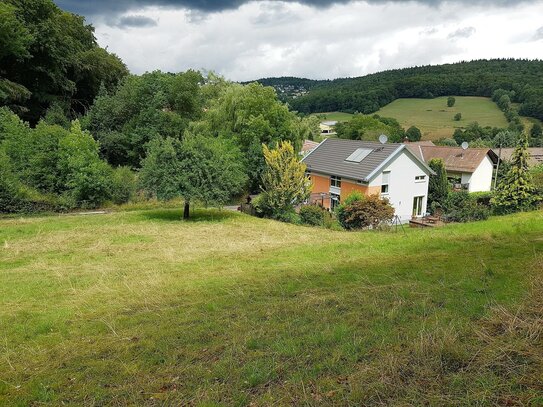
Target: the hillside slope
pixel 141 308
pixel 368 93
pixel 436 120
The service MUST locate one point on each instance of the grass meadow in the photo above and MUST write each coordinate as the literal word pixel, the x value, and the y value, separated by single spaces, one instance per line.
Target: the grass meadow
pixel 334 116
pixel 141 308
pixel 436 120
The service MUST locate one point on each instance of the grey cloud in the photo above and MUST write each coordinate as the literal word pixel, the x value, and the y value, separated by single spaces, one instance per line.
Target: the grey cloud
pixel 133 21
pixel 275 14
pixel 538 34
pixel 106 7
pixel 465 32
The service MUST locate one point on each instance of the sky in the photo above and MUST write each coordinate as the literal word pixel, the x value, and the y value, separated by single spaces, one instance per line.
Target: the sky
pixel 323 39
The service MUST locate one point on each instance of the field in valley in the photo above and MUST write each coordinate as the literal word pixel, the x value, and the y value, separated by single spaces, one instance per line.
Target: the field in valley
pixel 334 116
pixel 142 308
pixel 436 120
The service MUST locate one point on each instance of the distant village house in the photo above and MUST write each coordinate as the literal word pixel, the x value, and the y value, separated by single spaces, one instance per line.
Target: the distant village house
pixel 471 169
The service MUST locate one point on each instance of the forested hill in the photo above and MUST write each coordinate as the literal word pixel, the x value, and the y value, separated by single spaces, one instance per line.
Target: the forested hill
pixel 368 93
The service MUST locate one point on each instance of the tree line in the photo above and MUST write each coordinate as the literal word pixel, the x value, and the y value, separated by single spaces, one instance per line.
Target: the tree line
pixel 49 57
pixel 367 94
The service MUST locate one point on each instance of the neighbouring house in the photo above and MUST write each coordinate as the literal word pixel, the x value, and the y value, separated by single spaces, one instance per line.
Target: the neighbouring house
pixel 536 155
pixel 338 167
pixel 328 128
pixel 308 146
pixel 471 169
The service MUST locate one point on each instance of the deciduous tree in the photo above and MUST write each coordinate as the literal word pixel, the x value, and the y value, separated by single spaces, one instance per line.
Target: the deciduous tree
pixel 202 169
pixel 413 134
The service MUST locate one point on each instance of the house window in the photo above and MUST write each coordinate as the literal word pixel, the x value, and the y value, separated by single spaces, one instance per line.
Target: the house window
pixel 417 206
pixel 420 178
pixel 335 181
pixel 385 182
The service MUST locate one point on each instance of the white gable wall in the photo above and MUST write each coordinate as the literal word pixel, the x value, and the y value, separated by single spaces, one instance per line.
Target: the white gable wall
pixel 402 185
pixel 481 179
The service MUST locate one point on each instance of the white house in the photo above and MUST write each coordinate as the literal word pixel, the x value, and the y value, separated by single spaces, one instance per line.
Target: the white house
pixel 471 169
pixel 339 167
pixel 328 127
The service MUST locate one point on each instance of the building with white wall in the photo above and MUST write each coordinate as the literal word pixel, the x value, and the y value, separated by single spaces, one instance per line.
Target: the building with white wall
pixel 339 167
pixel 471 169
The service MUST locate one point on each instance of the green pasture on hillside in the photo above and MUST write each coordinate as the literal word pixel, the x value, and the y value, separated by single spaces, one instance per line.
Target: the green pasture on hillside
pixel 334 116
pixel 436 120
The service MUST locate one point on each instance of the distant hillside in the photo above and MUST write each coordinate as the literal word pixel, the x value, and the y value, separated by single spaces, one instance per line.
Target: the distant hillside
pixel 436 120
pixel 369 93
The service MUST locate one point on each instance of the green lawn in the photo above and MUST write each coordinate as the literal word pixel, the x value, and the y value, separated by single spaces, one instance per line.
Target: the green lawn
pixel 337 116
pixel 142 308
pixel 436 120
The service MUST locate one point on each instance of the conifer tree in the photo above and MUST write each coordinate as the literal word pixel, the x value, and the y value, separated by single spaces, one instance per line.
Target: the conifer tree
pixel 438 186
pixel 516 192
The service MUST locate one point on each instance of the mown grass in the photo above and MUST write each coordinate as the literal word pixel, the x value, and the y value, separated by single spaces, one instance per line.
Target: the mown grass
pixel 436 120
pixel 335 116
pixel 142 308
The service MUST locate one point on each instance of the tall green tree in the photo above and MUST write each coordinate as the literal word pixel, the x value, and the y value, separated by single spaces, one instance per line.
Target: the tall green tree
pixel 252 115
pixel 438 186
pixel 198 169
pixel 143 108
pixel 48 55
pixel 516 192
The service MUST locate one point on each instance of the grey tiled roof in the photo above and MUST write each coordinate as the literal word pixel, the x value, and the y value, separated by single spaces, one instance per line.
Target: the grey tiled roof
pixel 329 158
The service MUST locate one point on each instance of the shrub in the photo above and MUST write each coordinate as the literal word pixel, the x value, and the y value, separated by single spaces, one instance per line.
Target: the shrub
pixel 458 117
pixel 312 215
pixel 9 185
pixel 370 212
pixel 354 196
pixel 482 198
pixel 413 134
pixel 537 178
pixel 460 206
pixel 123 185
pixel 451 101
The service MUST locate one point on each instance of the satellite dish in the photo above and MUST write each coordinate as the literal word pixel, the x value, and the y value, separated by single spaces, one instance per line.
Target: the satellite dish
pixel 464 145
pixel 383 139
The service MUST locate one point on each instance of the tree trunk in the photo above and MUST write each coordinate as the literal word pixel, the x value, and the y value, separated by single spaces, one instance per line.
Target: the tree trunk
pixel 186 211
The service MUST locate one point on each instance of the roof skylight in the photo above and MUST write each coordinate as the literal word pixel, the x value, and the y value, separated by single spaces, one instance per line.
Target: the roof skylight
pixel 358 155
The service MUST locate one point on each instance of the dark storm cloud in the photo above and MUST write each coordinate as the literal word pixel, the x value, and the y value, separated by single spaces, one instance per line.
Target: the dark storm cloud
pixel 134 21
pixel 105 7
